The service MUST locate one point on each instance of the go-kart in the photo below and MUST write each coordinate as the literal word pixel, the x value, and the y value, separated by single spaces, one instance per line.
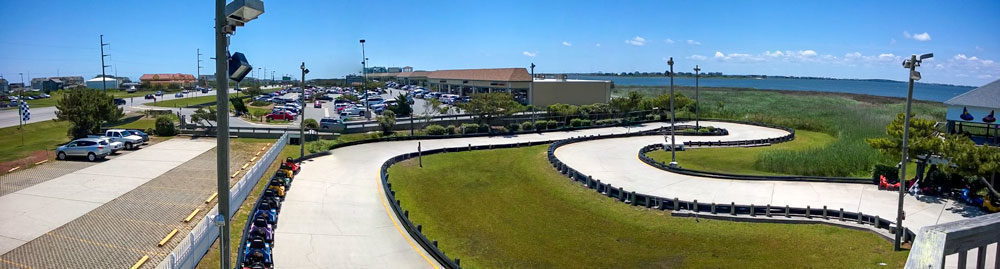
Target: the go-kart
pixel 290 165
pixel 885 185
pixel 278 187
pixel 257 251
pixel 266 212
pixel 262 232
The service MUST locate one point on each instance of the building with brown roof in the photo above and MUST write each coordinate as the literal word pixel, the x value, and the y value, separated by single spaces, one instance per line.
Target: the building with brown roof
pixel 180 79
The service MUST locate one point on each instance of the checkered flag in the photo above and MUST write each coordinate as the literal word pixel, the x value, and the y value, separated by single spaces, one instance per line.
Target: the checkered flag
pixel 25 111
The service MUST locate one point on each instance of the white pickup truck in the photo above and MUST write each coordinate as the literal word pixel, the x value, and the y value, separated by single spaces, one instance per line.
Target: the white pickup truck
pixel 130 140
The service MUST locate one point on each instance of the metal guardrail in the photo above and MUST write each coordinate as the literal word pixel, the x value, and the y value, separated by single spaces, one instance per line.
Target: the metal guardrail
pixel 934 243
pixel 193 247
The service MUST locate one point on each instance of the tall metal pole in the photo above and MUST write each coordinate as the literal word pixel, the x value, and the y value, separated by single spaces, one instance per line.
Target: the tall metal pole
pixel 104 79
pixel 198 78
pixel 673 150
pixel 904 159
pixel 697 99
pixel 364 84
pixel 222 127
pixel 302 116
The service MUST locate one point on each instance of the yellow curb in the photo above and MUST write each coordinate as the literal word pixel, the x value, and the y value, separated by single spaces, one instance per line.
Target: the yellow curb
pixel 140 262
pixel 41 162
pixel 193 213
pixel 211 197
pixel 235 174
pixel 253 159
pixel 167 238
pixel 244 166
pixel 13 169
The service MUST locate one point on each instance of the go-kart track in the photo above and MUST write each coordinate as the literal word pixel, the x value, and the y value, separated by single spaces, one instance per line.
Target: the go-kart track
pixel 338 217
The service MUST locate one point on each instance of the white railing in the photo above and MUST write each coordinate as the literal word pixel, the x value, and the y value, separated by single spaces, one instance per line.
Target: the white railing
pixel 934 243
pixel 189 252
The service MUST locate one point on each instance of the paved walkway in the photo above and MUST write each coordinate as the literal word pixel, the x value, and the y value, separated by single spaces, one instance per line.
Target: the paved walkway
pixel 34 211
pixel 335 215
pixel 615 161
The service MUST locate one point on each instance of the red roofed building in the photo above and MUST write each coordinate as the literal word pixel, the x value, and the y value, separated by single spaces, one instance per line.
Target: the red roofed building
pixel 181 79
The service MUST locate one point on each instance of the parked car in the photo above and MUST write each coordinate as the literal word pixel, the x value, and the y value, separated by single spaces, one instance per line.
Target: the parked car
pixel 317 104
pixel 281 115
pixel 119 102
pixel 149 96
pixel 159 93
pixel 331 124
pixel 92 148
pixel 140 133
pixel 179 95
pixel 115 146
pixel 130 140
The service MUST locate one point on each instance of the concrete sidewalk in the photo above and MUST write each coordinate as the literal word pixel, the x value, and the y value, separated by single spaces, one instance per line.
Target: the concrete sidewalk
pixel 34 211
pixel 335 215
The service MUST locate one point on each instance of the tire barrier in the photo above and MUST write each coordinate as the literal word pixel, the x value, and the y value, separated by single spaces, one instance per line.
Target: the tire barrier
pixel 746 143
pixel 663 166
pixel 257 240
pixel 693 208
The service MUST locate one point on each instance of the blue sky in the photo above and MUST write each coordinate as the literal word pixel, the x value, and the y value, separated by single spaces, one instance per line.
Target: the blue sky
pixel 844 39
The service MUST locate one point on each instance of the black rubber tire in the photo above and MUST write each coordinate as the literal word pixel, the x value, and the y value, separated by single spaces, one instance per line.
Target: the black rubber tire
pixel 129 146
pixel 91 157
pixel 61 155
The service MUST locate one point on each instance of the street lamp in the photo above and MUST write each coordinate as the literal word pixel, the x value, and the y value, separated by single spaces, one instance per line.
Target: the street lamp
pixel 697 100
pixel 364 84
pixel 227 18
pixel 302 116
pixel 911 64
pixel 673 145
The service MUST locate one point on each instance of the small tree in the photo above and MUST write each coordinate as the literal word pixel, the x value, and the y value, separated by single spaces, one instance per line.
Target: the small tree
pixel 239 107
pixel 87 110
pixel 402 107
pixel 206 115
pixel 628 103
pixel 972 161
pixel 311 124
pixel 165 126
pixel 487 106
pixel 387 121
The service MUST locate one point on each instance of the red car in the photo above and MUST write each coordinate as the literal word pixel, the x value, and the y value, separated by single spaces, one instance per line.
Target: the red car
pixel 318 104
pixel 281 115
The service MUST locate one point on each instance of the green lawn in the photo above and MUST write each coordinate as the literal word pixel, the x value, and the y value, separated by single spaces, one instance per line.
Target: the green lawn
pixel 57 95
pixel 509 209
pixel 185 102
pixel 43 135
pixel 848 118
pixel 742 160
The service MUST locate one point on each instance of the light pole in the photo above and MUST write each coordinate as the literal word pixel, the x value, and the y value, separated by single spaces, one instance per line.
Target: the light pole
pixel 302 116
pixel 697 99
pixel 199 68
pixel 673 146
pixel 911 64
pixel 364 84
pixel 104 78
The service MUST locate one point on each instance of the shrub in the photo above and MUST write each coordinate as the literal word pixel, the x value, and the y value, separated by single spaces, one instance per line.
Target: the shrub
pixel 484 128
pixel 450 129
pixel 468 128
pixel 607 122
pixel 586 122
pixel 165 126
pixel 541 125
pixel 552 124
pixel 258 103
pixel 435 129
pixel 576 122
pixel 150 131
pixel 513 127
pixel 311 124
pixel 527 126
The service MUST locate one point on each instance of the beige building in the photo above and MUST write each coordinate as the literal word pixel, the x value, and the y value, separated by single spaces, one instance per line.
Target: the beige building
pixel 517 81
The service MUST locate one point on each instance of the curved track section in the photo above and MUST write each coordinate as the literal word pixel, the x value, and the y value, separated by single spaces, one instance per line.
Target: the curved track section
pixel 338 217
pixel 615 161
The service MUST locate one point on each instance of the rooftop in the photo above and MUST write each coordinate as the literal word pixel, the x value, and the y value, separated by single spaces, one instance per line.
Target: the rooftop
pixel 487 74
pixel 986 96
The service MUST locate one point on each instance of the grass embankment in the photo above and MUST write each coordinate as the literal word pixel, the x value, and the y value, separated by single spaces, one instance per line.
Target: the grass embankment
pixel 509 209
pixel 185 102
pixel 743 160
pixel 57 95
pixel 238 222
pixel 39 136
pixel 848 118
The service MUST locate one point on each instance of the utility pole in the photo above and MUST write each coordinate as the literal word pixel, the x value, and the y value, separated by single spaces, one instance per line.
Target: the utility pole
pixel 364 84
pixel 222 130
pixel 104 78
pixel 302 116
pixel 673 145
pixel 198 78
pixel 911 64
pixel 697 99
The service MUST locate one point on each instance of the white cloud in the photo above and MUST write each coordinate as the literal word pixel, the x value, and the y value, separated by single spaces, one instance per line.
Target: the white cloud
pixel 697 57
pixel 918 37
pixel 692 42
pixel 719 54
pixel 776 53
pixel 636 41
pixel 737 57
pixel 565 43
pixel 669 41
pixel 530 54
pixel 853 55
pixel 887 57
pixel 807 53
pixel 598 44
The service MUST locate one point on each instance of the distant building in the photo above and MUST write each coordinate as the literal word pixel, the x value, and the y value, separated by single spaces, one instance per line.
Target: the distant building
pixel 52 84
pixel 180 79
pixel 351 79
pixel 516 81
pixel 4 86
pixel 407 69
pixel 974 113
pixel 394 70
pixel 71 80
pixel 99 83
